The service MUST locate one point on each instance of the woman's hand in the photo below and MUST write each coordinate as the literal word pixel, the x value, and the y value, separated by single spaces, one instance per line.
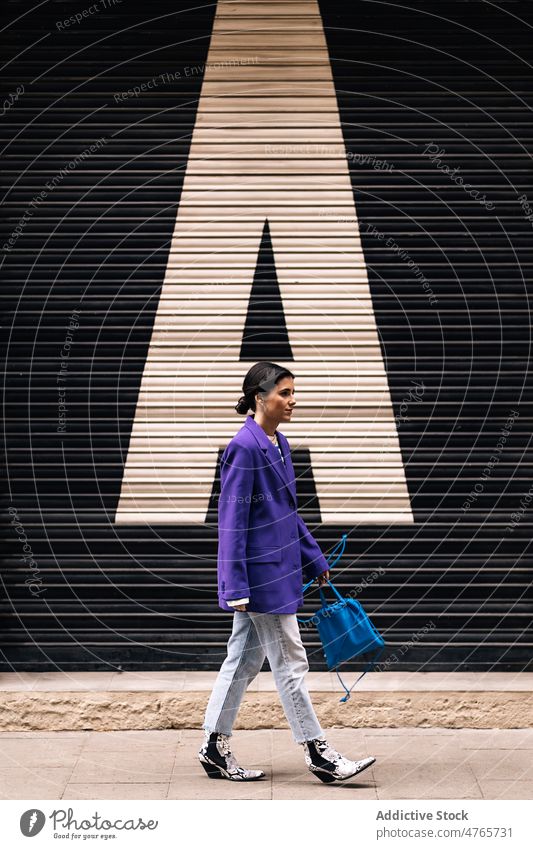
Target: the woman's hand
pixel 240 607
pixel 323 578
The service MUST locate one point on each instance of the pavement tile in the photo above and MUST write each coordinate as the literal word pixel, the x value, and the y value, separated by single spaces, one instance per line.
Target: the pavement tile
pixel 44 752
pixel 440 780
pixel 116 791
pixel 131 740
pixel 498 738
pixel 111 767
pixel 500 764
pixel 406 751
pixel 53 735
pixel 301 784
pixel 202 787
pixel 495 789
pixel 401 731
pixel 34 782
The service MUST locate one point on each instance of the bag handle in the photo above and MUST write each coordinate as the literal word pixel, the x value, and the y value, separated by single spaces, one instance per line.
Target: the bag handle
pixel 323 597
pixel 342 542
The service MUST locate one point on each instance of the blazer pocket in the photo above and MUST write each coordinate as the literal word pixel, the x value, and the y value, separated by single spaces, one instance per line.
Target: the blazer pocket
pixel 264 554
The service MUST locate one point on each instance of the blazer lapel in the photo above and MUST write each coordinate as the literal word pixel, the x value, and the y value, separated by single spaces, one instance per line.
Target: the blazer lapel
pixel 284 444
pixel 284 471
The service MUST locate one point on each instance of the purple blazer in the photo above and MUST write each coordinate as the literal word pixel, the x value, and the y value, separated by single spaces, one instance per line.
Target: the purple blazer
pixel 265 550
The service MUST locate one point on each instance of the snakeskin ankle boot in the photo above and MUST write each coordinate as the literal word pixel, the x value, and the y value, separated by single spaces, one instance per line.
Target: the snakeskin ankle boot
pixel 328 765
pixel 218 761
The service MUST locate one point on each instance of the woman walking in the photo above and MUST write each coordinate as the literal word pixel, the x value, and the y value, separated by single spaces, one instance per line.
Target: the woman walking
pixel 264 551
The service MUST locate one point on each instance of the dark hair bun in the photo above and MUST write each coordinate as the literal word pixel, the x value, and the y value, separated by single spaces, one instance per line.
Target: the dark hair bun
pixel 242 406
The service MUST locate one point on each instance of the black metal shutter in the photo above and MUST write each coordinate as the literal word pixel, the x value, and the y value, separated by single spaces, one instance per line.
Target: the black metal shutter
pixel 80 592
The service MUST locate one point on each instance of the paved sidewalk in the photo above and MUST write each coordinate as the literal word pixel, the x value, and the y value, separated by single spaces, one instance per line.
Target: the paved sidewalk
pixel 412 763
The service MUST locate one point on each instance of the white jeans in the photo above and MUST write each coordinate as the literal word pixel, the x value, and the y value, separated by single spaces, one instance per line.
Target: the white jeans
pixel 254 637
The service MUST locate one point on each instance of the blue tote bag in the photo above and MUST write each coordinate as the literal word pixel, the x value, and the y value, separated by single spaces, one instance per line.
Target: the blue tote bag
pixel 345 629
